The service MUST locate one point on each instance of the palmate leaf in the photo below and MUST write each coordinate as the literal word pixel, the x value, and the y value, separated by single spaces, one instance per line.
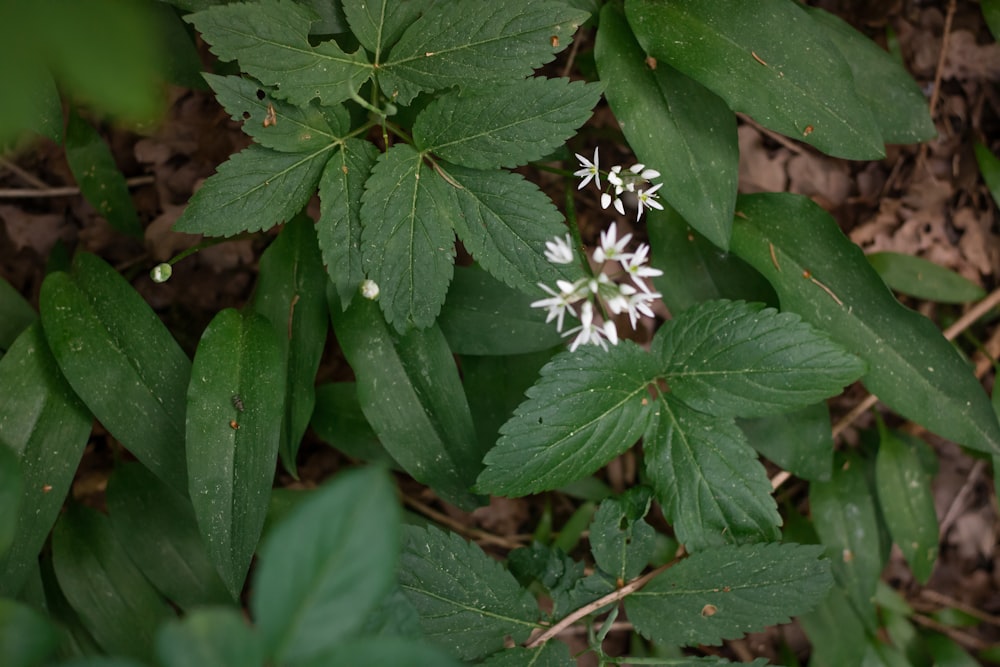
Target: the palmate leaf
pixel 484 127
pixel 588 407
pixel 726 592
pixel 377 24
pixel 708 480
pixel 270 38
pixel 733 359
pixel 476 42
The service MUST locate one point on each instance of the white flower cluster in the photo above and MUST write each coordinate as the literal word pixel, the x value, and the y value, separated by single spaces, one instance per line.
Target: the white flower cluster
pixel 613 297
pixel 619 182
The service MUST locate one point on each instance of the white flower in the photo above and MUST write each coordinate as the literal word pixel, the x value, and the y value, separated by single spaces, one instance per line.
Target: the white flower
pixel 612 248
pixel 647 198
pixel 559 251
pixel 635 267
pixel 615 178
pixel 369 289
pixel 587 332
pixel 606 201
pixel 638 304
pixel 558 303
pixel 618 298
pixel 591 170
pixel 643 173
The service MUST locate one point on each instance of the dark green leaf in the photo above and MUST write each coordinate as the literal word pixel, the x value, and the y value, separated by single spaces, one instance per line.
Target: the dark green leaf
pixel 800 442
pixel 726 592
pixel 11 493
pixel 270 38
pixel 393 616
pixel 377 24
pixel 314 587
pixel 219 637
pixel 339 421
pixel 550 654
pixel 156 526
pixel 991 12
pixel 822 276
pixel 16 314
pixel 384 651
pixel 410 392
pixel 339 227
pixel 231 451
pixel 711 486
pixel 331 19
pixel 550 567
pixel 254 189
pixel 291 294
pixel 504 125
pixel 466 600
pixel 476 42
pixel 98 176
pixel 27 638
pixel 620 539
pixel 989 167
pixel 102 661
pixel 923 279
pixel 733 359
pixel 119 607
pixel 121 361
pixel 766 58
pixel 675 126
pixel 588 407
pixel 835 631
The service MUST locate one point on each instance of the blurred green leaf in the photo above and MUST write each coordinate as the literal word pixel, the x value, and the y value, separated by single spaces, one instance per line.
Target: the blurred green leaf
pixel 549 654
pixel 991 12
pixel 16 314
pixel 27 639
pixel 236 401
pixel 837 634
pixel 339 421
pixel 384 651
pixel 219 637
pixel 620 539
pixel 11 493
pixel 989 167
pixel 800 442
pixel 944 650
pixel 923 279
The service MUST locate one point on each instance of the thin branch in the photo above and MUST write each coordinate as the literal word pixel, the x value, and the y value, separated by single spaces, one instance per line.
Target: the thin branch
pixel 65 191
pixel 948 601
pixel 24 175
pixel 938 72
pixel 462 529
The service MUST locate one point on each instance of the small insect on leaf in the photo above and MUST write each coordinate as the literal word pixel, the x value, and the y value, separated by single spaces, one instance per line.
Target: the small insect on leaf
pixel 233 425
pixel 46 488
pixel 650 62
pixel 238 402
pixel 808 130
pixel 271 118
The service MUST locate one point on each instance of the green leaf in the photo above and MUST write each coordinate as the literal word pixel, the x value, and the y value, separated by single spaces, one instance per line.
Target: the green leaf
pixel 835 631
pixel 991 12
pixel 27 638
pixel 620 539
pixel 116 604
pixel 44 424
pixel 904 494
pixel 11 493
pixel 209 636
pixel 235 407
pixel 121 361
pixel 270 38
pixel 102 661
pixel 407 241
pixel 549 654
pixel 800 442
pixel 674 125
pixel 339 421
pixel 466 600
pixel 989 167
pixel 384 651
pixel 99 178
pixel 291 294
pixel 504 125
pixel 411 394
pixel 923 279
pixel 734 359
pixel 766 58
pixel 896 101
pixel 157 527
pixel 727 592
pixel 476 42
pixel 339 227
pixel 313 587
pixel 378 24
pixel 295 129
pixel 16 314
pixel 711 486
pixel 505 222
pixel 485 317
pixel 819 274
pixel 254 189
pixel 588 407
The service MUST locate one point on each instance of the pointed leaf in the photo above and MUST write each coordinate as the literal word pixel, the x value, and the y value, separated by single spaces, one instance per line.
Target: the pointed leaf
pixel 989 168
pixel 218 637
pixel 766 58
pixel 315 586
pixel 11 493
pixel 711 486
pixel 475 43
pixel 121 361
pixel 835 631
pixel 819 274
pixel 675 125
pixel 466 600
pixel 27 638
pixel 620 539
pixel 270 38
pixel 16 314
pixel 377 24
pixel 800 442
pixel 235 406
pixel 254 189
pixel 407 241
pixel 46 426
pixel 734 359
pixel 588 407
pixel 338 420
pixel 923 278
pixel 727 592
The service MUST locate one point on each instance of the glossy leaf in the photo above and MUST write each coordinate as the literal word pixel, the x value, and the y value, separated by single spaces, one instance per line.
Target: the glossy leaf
pixel 800 442
pixel 588 407
pixel 733 359
pixel 156 526
pixel 620 539
pixel 819 274
pixel 477 43
pixel 291 294
pixel 466 600
pixel 231 452
pixel 407 241
pixel 338 420
pixel 411 394
pixel 923 279
pixel 378 24
pixel 116 604
pixel 709 483
pixel 270 38
pixel 210 636
pixel 768 59
pixel 675 125
pixel 27 638
pixel 16 314
pixel 121 361
pixel 314 587
pixel 727 592
pixel 254 189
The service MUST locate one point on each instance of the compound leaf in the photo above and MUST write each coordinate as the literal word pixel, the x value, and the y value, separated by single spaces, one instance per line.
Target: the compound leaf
pixel 377 24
